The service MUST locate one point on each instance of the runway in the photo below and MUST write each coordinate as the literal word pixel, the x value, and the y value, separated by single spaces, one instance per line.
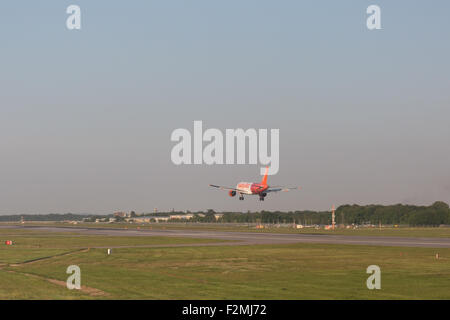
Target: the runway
pixel 252 238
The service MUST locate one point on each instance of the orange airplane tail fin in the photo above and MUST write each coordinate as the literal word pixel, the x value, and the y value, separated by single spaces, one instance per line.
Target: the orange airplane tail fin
pixel 264 180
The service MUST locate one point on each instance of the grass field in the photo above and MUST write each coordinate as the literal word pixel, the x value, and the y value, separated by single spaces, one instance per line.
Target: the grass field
pixel 294 271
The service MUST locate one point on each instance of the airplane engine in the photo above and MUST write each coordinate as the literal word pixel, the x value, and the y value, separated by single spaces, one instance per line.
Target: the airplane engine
pixel 232 193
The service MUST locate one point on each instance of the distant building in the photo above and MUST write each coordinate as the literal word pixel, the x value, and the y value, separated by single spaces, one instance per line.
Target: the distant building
pixel 141 220
pixel 218 215
pixel 120 214
pixel 161 219
pixel 181 216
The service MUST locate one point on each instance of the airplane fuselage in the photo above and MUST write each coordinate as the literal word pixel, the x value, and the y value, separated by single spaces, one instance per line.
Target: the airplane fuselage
pixel 251 188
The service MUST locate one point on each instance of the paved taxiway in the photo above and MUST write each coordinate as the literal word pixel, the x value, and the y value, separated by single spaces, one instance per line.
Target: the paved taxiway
pixel 246 238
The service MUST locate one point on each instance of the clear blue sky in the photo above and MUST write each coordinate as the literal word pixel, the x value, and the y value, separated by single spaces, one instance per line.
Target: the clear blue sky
pixel 86 116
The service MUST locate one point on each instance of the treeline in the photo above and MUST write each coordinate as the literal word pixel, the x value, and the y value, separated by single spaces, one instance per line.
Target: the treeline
pixel 436 214
pixel 277 217
pixel 43 217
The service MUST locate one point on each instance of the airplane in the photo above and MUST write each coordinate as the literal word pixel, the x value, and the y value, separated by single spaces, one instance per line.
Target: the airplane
pixel 261 189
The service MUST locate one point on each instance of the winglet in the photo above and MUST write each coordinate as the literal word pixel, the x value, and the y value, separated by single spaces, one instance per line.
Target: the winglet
pixel 264 180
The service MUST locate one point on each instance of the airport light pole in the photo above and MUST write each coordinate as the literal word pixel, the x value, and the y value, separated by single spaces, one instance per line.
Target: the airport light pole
pixel 333 216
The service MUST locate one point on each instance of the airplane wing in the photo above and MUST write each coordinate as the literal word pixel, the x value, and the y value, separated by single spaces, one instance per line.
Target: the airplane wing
pixel 224 188
pixel 280 188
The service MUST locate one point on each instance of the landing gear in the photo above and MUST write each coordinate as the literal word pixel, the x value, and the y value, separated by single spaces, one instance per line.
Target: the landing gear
pixel 262 196
pixel 241 197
